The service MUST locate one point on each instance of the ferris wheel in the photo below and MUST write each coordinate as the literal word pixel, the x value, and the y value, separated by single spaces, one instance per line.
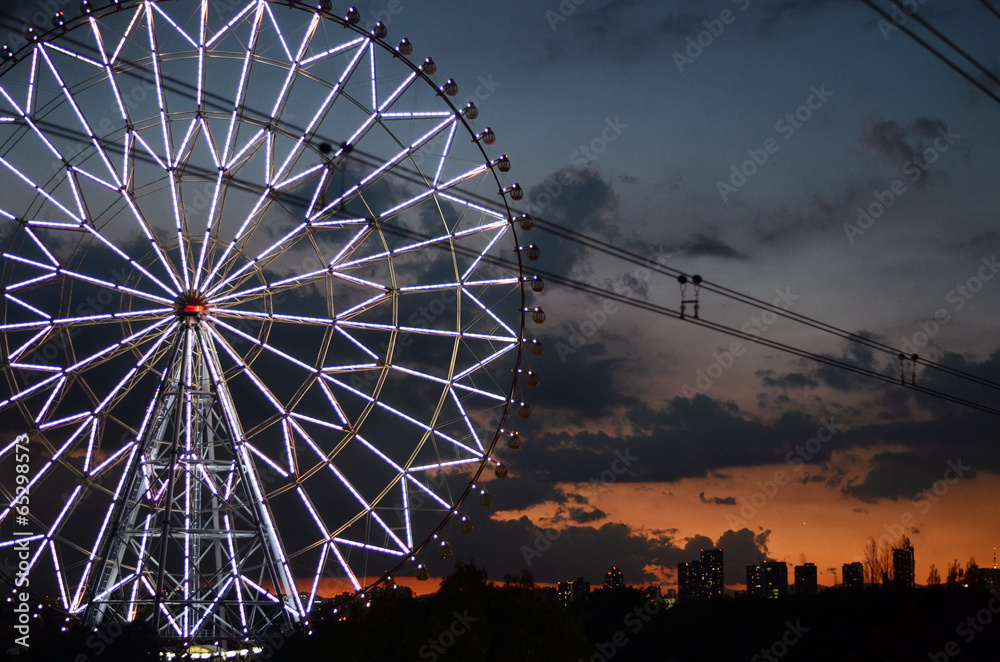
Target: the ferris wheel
pixel 258 324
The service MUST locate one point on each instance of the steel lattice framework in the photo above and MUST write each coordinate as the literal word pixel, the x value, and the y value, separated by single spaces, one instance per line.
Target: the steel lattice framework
pixel 261 335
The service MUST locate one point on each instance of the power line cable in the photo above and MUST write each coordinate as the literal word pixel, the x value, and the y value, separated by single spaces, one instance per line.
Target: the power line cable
pixel 958 49
pixel 961 72
pixel 991 8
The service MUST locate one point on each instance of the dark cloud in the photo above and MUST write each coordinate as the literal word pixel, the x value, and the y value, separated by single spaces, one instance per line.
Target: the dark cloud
pixel 575 197
pixel 582 516
pixel 683 439
pixel 890 141
pixel 619 30
pixel 740 549
pixel 509 546
pixel 705 245
pixel 703 436
pixel 793 380
pixel 718 501
pixel 895 475
pixel 580 379
pixel 905 147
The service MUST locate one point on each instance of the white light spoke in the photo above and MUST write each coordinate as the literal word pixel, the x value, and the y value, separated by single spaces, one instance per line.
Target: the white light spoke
pixel 233 21
pixel 277 30
pixel 270 348
pixel 396 251
pixel 435 287
pixel 106 65
pixel 32 366
pixel 267 460
pixel 33 79
pixel 81 117
pixel 173 23
pixel 195 124
pixel 40 475
pixel 346 566
pixel 67 321
pixel 489 312
pixel 44 139
pixel 465 417
pixel 143 360
pixel 352 244
pixel 301 279
pixel 420 330
pixel 484 362
pixel 428 491
pixel 77 56
pixel 464 177
pixel 482 254
pixel 406 152
pixel 472 205
pixel 210 223
pixel 251 144
pixel 136 136
pixel 366 305
pixel 116 346
pixel 479 391
pixel 336 203
pixel 111 460
pixel 127 33
pixel 302 175
pixel 167 265
pixel 444 465
pixel 412 202
pixel 266 392
pixel 219 263
pixel 357 343
pixel 135 265
pixel 63 593
pixel 312 511
pixel 63 421
pixel 425 427
pixel 181 231
pixel 157 78
pixel 41 191
pixel 23 304
pixel 24 260
pixel 373 548
pixel 444 154
pixel 421 115
pixel 233 312
pixel 16 354
pixel 360 281
pixel 385 458
pixel 95 178
pixel 56 390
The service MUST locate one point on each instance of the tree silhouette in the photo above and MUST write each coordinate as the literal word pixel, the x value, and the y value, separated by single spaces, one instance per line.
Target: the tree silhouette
pixel 934 578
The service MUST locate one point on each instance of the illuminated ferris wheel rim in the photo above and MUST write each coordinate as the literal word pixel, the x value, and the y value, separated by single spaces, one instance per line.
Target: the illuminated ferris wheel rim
pixel 190 295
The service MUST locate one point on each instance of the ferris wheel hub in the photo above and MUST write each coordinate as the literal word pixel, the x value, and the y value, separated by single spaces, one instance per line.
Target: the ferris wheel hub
pixel 191 304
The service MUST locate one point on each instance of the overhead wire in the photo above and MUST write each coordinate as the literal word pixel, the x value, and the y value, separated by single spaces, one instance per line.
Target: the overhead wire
pixel 990 7
pixel 666 311
pixel 933 51
pixel 958 49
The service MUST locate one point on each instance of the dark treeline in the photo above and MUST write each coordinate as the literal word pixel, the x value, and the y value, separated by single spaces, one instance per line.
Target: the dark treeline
pixel 472 620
